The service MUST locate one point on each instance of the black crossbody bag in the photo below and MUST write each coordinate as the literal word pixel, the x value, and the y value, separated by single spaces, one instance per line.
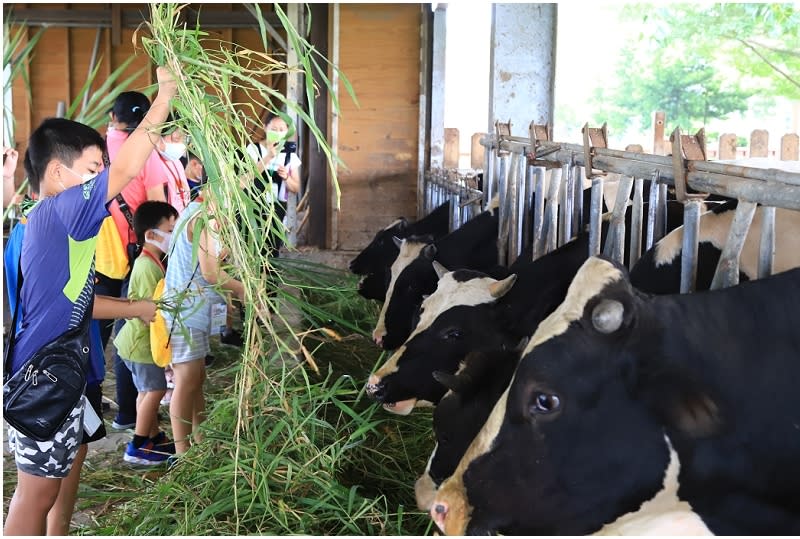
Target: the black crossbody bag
pixel 39 397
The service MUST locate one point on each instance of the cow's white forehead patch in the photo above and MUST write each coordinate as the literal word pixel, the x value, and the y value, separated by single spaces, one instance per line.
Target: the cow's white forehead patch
pixel 394 223
pixel 591 279
pixel 451 293
pixel 409 251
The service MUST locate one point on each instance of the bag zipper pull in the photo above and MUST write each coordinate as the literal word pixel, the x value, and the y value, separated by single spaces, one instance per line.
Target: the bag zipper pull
pixel 50 375
pixel 35 373
pixel 28 373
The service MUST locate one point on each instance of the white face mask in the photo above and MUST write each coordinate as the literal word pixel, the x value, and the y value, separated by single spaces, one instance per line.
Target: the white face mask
pixel 174 150
pixel 89 176
pixel 163 239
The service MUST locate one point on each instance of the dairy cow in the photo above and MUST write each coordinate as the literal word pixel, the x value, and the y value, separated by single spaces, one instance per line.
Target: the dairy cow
pixel 659 269
pixel 481 378
pixel 471 246
pixel 375 260
pixel 628 409
pixel 440 343
pixel 476 395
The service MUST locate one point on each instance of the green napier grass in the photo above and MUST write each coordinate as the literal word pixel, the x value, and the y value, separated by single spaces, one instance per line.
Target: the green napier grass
pixel 291 445
pixel 314 457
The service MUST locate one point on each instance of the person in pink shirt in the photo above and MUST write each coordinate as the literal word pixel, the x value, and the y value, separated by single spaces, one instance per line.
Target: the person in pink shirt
pixel 166 163
pixel 127 112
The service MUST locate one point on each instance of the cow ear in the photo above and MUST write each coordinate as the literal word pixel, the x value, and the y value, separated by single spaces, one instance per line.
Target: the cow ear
pixel 682 403
pixel 397 241
pixel 499 289
pixel 449 381
pixel 403 224
pixel 440 269
pixel 429 251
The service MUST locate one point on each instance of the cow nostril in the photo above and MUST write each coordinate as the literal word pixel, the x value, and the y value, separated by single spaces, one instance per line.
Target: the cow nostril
pixel 377 391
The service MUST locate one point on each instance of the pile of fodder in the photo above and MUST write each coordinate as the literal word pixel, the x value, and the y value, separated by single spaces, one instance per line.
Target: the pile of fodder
pixel 290 451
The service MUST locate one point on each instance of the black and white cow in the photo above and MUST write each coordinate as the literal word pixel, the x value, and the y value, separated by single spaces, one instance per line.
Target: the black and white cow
pixel 677 413
pixel 374 262
pixel 473 311
pixel 482 377
pixel 472 246
pixel 456 418
pixel 440 342
pixel 659 269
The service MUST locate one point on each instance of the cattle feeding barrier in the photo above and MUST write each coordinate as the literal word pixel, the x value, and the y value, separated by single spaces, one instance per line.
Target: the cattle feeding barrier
pixel 517 169
pixel 461 188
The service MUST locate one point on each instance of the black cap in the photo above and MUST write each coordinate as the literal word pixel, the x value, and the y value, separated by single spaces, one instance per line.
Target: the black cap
pixel 130 108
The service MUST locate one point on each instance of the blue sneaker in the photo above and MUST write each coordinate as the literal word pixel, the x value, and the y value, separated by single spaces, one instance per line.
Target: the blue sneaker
pixel 147 455
pixel 162 443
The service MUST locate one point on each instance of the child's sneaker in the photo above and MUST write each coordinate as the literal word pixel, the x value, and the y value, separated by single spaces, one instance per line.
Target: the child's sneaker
pixel 147 455
pixel 162 443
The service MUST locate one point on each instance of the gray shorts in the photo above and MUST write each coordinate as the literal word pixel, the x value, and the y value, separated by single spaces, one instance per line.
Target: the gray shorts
pixel 189 345
pixel 53 458
pixel 147 376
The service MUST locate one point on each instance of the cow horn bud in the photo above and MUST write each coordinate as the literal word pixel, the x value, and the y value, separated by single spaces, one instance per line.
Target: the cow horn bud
pixel 397 241
pixel 607 316
pixel 499 289
pixel 440 269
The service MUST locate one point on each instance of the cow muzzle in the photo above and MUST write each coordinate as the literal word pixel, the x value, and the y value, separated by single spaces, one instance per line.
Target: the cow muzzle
pixel 377 390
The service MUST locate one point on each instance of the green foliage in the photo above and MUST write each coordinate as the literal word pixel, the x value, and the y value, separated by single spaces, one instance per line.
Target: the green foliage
pixel 15 55
pixel 699 62
pixel 690 92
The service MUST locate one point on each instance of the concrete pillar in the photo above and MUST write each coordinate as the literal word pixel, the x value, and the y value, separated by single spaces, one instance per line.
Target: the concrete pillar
pixel 522 65
pixel 437 85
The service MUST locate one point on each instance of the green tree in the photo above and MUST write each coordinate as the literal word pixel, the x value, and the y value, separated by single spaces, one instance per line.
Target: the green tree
pixel 701 62
pixel 758 42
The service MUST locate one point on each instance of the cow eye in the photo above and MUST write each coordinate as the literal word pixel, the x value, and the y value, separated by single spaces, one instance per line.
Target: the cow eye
pixel 453 333
pixel 545 403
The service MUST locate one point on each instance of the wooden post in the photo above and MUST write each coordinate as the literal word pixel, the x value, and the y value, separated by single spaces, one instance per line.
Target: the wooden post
pixel 759 143
pixel 727 146
pixel 477 152
pixel 451 148
pixel 659 122
pixel 790 147
pixel 116 24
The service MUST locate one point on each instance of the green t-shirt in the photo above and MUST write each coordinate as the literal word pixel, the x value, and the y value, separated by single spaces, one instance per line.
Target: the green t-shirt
pixel 133 340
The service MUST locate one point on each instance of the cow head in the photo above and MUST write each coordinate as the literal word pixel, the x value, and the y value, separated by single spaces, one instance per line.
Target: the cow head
pixel 412 278
pixel 577 439
pixel 472 392
pixel 381 250
pixel 374 285
pixel 451 322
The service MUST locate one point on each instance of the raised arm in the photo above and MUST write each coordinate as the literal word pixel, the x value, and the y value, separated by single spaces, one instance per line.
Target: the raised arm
pixel 10 157
pixel 137 147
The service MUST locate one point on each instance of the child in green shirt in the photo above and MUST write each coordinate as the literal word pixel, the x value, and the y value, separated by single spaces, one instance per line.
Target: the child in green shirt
pixel 153 223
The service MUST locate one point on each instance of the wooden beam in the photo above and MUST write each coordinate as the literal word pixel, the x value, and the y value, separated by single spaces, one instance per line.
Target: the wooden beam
pixel 131 18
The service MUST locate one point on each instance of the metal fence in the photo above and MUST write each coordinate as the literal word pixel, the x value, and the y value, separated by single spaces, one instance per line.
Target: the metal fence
pixel 520 169
pixel 461 188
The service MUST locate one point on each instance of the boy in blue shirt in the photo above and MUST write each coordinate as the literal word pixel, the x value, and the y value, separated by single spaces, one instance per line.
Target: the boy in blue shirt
pixel 58 270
